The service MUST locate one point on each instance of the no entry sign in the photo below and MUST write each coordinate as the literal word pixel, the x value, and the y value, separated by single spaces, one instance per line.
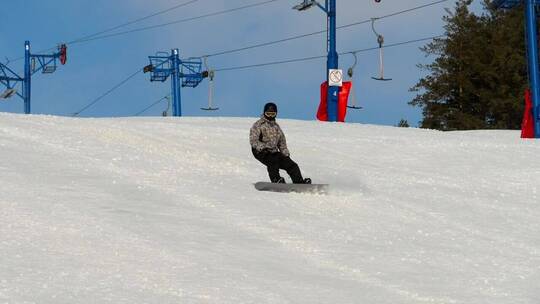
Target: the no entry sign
pixel 335 77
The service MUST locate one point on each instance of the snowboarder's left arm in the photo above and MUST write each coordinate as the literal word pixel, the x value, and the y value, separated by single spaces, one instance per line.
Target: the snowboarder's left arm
pixel 282 144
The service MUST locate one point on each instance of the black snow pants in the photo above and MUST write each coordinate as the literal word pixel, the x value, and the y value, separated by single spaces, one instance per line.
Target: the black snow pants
pixel 276 161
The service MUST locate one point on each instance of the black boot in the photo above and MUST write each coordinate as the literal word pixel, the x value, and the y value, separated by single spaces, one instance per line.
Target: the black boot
pixel 307 180
pixel 280 180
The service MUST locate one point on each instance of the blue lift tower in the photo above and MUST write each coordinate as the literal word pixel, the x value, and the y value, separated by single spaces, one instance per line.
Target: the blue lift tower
pixel 332 60
pixel 184 73
pixel 532 52
pixel 33 63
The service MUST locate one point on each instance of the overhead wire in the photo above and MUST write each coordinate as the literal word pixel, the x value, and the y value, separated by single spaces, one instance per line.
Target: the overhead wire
pixel 108 92
pixel 146 17
pixel 308 59
pixel 96 36
pixel 180 21
pixel 119 26
pixel 257 45
pixel 150 106
pixel 323 56
pixel 134 21
pixel 322 31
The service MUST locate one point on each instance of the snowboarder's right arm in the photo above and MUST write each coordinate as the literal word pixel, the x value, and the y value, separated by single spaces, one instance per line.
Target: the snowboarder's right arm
pixel 254 135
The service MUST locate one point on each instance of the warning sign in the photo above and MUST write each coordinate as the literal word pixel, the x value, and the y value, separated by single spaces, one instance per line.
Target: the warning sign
pixel 335 77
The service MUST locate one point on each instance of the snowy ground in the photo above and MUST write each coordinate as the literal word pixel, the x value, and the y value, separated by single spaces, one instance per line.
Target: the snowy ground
pixel 162 210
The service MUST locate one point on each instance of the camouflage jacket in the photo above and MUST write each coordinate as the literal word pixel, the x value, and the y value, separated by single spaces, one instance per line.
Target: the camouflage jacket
pixel 266 134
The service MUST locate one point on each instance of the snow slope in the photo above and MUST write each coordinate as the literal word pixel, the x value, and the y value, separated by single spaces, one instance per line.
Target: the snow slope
pixel 162 210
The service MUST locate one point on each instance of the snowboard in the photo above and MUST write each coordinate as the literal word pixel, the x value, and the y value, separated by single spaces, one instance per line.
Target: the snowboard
pixel 298 188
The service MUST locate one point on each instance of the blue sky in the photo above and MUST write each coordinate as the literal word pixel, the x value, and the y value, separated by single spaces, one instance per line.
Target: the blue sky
pixel 94 67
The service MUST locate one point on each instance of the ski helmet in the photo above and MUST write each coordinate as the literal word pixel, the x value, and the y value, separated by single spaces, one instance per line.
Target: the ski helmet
pixel 270 111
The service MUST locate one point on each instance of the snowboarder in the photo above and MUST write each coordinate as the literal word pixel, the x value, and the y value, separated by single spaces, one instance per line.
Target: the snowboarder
pixel 269 146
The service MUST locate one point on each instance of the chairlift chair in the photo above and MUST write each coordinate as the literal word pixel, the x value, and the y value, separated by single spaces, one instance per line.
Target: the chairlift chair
pixel 305 5
pixel 49 69
pixel 380 41
pixel 158 66
pixel 211 75
pixel 33 65
pixel 350 73
pixel 166 112
pixel 8 93
pixel 191 69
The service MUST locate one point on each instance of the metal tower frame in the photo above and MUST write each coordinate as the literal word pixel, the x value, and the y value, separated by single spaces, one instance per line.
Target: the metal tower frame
pixel 33 63
pixel 184 73
pixel 532 52
pixel 332 59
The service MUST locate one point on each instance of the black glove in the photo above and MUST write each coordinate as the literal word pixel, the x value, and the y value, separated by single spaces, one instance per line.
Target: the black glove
pixel 265 151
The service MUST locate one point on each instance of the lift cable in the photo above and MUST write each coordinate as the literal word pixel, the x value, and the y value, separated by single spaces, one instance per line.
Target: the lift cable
pixel 134 21
pixel 118 26
pixel 322 31
pixel 277 41
pixel 152 105
pixel 323 56
pixel 179 21
pixel 96 37
pixel 108 92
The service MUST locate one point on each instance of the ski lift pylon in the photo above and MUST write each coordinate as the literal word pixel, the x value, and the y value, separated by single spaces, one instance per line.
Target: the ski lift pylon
pixel 380 41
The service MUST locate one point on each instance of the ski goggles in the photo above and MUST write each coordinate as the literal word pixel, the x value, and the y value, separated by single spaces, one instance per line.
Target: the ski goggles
pixel 270 114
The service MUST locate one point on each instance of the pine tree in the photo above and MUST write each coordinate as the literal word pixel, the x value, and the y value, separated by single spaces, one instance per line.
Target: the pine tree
pixel 403 123
pixel 479 74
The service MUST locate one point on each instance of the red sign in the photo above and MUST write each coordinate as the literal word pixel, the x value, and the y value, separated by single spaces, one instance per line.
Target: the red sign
pixel 322 113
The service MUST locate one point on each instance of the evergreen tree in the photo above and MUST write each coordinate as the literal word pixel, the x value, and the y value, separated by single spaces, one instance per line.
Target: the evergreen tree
pixel 479 74
pixel 403 123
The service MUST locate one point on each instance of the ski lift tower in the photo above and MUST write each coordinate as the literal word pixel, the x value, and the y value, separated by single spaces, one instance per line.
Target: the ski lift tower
pixel 47 65
pixel 332 62
pixel 532 52
pixel 184 73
